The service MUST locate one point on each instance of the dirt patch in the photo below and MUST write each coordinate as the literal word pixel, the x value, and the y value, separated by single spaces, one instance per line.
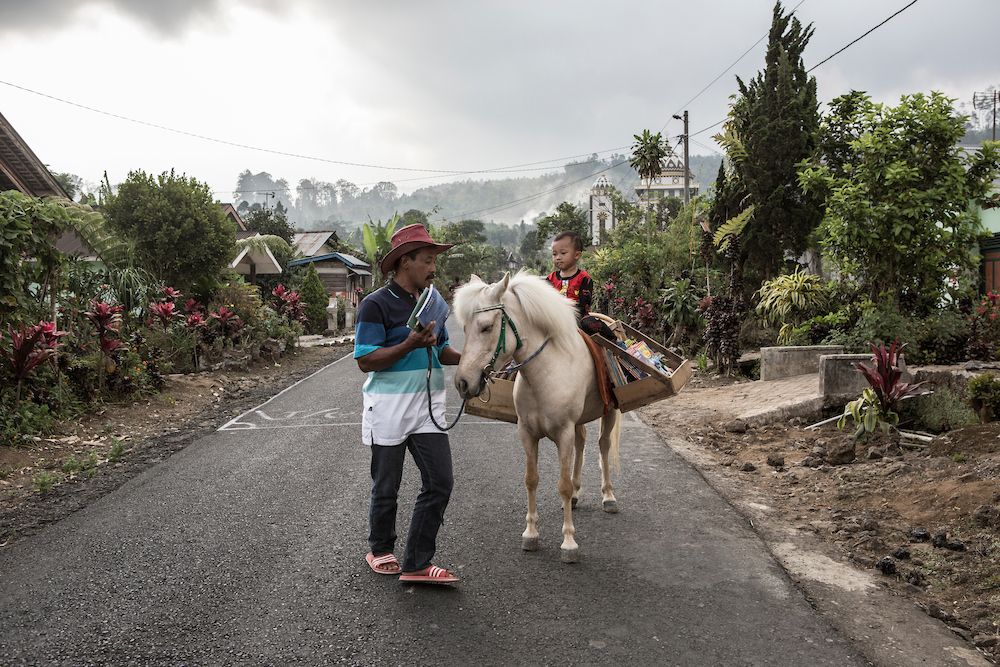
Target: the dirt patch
pixel 924 521
pixel 88 458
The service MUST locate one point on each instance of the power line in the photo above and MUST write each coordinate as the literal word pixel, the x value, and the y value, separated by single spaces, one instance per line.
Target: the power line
pixel 870 31
pixel 830 57
pixel 346 163
pixel 723 72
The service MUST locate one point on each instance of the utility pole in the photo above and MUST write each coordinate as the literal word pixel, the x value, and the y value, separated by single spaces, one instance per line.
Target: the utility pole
pixel 687 177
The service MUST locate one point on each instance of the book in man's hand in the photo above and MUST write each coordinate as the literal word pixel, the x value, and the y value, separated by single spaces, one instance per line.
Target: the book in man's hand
pixel 431 307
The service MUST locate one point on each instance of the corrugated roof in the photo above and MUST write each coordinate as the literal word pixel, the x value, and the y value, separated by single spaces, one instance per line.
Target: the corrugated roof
pixel 347 260
pixel 309 243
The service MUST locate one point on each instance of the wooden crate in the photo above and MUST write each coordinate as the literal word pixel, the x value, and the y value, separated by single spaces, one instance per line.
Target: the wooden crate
pixel 655 386
pixel 636 394
pixel 500 403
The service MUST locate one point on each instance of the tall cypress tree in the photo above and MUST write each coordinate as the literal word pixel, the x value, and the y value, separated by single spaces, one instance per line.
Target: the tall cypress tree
pixel 776 119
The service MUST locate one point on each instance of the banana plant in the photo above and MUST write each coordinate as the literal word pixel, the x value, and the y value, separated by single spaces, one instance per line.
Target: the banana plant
pixel 377 238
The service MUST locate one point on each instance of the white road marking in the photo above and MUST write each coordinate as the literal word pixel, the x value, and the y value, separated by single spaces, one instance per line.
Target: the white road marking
pixel 239 417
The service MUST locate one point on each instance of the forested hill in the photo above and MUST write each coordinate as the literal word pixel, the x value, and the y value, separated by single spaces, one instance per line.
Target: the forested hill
pixel 314 204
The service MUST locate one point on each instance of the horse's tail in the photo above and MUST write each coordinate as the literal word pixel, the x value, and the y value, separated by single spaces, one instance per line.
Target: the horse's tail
pixel 615 436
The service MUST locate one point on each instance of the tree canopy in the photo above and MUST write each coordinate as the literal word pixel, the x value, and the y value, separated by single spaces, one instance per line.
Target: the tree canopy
pixel 181 234
pixel 898 189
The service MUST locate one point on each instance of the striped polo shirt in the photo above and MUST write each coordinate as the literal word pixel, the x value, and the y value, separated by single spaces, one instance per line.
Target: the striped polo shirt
pixel 395 399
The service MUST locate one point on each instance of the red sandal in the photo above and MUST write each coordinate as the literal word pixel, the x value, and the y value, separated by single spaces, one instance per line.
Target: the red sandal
pixel 430 575
pixel 384 564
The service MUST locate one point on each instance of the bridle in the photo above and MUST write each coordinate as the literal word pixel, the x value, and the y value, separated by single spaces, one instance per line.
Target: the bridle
pixel 489 370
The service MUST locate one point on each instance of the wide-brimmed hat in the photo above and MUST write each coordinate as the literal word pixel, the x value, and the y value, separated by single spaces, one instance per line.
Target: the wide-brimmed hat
pixel 409 238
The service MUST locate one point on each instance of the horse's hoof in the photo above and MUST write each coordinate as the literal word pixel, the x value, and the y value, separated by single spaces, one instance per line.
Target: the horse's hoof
pixel 529 543
pixel 611 506
pixel 576 501
pixel 570 555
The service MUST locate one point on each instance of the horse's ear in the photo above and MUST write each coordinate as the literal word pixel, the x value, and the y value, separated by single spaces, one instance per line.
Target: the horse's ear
pixel 506 281
pixel 475 279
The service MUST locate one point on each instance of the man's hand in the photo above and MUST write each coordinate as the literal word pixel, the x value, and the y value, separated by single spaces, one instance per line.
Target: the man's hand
pixel 423 338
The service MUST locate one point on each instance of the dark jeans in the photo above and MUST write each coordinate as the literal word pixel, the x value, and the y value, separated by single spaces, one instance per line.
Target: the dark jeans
pixel 432 454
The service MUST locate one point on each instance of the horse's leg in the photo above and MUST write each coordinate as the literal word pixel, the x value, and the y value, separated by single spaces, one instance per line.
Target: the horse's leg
pixel 581 441
pixel 609 443
pixel 529 539
pixel 566 442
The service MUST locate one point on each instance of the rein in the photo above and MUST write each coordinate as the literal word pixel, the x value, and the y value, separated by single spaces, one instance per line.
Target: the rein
pixel 489 371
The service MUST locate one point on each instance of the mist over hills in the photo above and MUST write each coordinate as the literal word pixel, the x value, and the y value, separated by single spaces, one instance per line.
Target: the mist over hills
pixel 314 204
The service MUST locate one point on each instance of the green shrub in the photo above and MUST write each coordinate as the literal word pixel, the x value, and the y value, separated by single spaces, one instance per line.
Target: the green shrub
pixel 941 338
pixel 341 312
pixel 817 330
pixel 880 323
pixel 18 425
pixel 984 392
pixel 316 299
pixel 943 411
pixel 43 482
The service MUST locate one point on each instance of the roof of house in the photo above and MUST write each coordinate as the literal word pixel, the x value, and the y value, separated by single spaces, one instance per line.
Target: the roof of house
pixel 235 216
pixel 356 265
pixel 20 168
pixel 262 257
pixel 310 243
pixel 244 234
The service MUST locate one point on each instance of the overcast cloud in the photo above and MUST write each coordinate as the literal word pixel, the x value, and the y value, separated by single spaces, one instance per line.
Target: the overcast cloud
pixel 432 85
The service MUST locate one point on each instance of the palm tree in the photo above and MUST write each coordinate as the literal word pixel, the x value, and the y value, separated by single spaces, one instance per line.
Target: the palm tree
pixel 648 153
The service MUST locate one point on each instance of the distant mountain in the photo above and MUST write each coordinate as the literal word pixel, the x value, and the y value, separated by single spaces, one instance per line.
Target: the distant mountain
pixel 319 205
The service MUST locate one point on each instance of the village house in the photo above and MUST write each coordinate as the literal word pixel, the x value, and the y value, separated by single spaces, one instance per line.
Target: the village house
pixel 342 274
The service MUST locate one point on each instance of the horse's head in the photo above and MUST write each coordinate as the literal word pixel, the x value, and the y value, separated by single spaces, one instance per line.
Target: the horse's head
pixel 477 309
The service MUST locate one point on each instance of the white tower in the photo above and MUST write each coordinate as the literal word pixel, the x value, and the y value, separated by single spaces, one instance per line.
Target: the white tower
pixel 602 212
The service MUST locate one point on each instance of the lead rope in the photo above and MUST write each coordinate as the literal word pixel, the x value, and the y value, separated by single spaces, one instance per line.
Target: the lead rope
pixel 430 403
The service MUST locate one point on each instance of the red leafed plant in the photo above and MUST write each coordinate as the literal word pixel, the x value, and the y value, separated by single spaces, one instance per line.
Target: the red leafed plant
pixel 229 322
pixel 29 348
pixel 108 320
pixel 193 306
pixel 643 314
pixel 165 311
pixel 194 320
pixel 886 378
pixel 289 304
pixel 170 294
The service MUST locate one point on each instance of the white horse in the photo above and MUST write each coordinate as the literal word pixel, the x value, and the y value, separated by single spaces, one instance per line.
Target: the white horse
pixel 556 392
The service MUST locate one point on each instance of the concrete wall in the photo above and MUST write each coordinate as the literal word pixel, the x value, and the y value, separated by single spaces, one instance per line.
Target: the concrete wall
pixel 783 362
pixel 840 380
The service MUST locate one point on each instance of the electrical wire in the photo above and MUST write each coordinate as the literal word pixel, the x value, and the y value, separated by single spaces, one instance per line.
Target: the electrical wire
pixel 346 163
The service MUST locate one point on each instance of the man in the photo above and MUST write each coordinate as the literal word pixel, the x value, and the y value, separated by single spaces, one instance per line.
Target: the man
pixel 396 416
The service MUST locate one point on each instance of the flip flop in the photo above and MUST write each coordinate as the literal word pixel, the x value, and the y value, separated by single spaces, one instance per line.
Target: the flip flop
pixel 430 575
pixel 385 564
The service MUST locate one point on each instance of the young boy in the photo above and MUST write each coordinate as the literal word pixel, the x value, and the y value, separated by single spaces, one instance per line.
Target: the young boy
pixel 575 283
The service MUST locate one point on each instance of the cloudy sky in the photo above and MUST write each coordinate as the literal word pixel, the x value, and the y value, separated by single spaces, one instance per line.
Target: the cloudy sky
pixel 429 85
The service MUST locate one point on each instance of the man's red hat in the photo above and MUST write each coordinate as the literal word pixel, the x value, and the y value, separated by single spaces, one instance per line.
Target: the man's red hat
pixel 410 238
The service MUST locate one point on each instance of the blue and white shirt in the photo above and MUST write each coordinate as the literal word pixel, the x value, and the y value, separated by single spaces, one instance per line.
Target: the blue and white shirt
pixel 395 399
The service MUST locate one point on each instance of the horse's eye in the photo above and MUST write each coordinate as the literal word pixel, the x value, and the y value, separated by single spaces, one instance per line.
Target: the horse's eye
pixel 488 328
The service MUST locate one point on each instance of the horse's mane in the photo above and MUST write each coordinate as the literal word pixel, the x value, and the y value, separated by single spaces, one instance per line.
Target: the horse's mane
pixel 543 306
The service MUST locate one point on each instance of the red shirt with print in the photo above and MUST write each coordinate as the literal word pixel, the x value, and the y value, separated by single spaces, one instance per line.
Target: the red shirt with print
pixel 578 287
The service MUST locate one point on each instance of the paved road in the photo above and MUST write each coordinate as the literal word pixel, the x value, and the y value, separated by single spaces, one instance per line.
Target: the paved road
pixel 247 548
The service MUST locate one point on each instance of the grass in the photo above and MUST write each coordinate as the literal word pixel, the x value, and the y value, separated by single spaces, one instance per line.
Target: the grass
pixel 117 450
pixel 959 457
pixel 43 481
pixel 5 472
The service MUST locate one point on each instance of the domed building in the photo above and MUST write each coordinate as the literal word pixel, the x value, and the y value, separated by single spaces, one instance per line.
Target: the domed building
pixel 670 182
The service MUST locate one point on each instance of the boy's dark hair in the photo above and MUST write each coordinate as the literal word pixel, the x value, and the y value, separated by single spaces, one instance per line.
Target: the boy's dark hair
pixel 577 241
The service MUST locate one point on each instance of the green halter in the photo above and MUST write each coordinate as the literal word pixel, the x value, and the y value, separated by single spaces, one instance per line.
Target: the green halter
pixel 502 340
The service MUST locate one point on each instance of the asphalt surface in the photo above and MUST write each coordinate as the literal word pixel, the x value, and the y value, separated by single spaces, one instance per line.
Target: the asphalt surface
pixel 248 546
